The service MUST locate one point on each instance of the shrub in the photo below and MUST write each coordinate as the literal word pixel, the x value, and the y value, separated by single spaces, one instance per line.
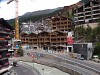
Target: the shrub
pixel 97 49
pixel 20 52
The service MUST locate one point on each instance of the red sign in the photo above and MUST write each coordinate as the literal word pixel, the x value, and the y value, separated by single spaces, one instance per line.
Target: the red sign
pixel 70 40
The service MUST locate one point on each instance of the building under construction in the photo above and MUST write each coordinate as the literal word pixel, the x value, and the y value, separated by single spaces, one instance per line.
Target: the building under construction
pixel 51 39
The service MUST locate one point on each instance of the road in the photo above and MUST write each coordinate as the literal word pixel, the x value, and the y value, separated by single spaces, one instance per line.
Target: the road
pixel 88 65
pixel 23 70
pixel 84 62
pixel 46 69
pixel 80 64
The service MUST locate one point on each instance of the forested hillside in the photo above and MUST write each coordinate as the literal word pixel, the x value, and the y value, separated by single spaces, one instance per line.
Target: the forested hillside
pixel 35 16
pixel 86 1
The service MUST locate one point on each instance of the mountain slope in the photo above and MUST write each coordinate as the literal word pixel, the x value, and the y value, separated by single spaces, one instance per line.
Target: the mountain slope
pixel 37 15
pixel 40 12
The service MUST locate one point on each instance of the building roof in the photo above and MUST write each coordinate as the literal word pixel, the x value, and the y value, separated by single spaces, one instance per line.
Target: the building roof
pixel 94 1
pixel 5 23
pixel 78 4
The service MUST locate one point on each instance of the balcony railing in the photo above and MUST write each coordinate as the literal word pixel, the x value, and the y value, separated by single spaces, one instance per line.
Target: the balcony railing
pixel 0 46
pixel 95 5
pixel 8 45
pixel 8 54
pixel 2 38
pixel 7 29
pixel 8 37
pixel 7 63
pixel 0 56
pixel 5 32
pixel 3 48
pixel 0 66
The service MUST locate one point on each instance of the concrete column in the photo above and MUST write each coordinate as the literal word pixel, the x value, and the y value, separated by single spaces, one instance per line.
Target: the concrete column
pixel 67 49
pixel 72 49
pixel 41 48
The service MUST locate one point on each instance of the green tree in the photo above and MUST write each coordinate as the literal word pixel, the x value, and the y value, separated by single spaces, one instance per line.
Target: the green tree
pixel 92 36
pixel 97 32
pixel 79 31
pixel 85 1
pixel 76 32
pixel 97 49
pixel 20 51
pixel 88 33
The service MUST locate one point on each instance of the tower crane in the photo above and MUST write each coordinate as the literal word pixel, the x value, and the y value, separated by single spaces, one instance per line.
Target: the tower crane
pixel 16 43
pixel 16 19
pixel 17 38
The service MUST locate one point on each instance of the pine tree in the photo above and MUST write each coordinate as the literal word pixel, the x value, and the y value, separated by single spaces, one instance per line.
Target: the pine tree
pixel 85 1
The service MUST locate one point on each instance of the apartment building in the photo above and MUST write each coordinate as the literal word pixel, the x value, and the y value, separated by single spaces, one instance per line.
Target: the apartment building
pixel 73 6
pixel 5 32
pixel 52 37
pixel 61 23
pixel 46 40
pixel 88 14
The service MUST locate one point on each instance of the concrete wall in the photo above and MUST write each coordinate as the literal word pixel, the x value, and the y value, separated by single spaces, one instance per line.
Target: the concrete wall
pixel 92 25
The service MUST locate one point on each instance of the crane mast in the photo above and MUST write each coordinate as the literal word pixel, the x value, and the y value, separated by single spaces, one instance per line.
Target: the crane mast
pixel 16 19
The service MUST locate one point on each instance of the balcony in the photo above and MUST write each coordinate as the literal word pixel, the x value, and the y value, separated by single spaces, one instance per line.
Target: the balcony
pixel 80 13
pixel 95 17
pixel 8 54
pixel 2 38
pixel 95 5
pixel 0 66
pixel 87 7
pixel 5 32
pixel 0 47
pixel 8 45
pixel 96 10
pixel 7 38
pixel 0 56
pixel 7 29
pixel 6 64
pixel 81 20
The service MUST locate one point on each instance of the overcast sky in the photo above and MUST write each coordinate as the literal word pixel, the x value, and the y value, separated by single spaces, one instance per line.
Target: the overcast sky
pixel 8 11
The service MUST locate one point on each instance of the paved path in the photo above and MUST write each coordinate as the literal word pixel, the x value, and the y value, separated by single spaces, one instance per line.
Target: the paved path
pixel 45 70
pixel 23 70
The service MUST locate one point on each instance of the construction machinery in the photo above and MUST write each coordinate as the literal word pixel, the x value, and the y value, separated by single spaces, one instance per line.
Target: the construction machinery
pixel 16 19
pixel 16 43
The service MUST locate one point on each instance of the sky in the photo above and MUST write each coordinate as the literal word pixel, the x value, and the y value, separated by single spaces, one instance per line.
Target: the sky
pixel 7 11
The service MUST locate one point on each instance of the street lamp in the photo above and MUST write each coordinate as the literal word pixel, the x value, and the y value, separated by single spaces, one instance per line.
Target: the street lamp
pixel 33 60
